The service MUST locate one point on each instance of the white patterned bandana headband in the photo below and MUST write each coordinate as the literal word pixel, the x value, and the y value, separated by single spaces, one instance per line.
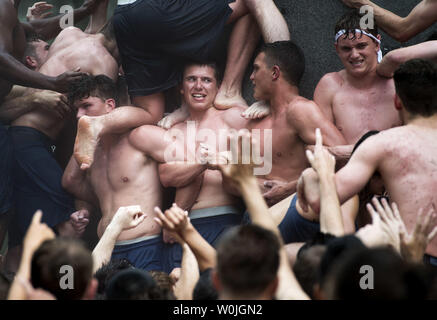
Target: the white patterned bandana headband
pixel 342 32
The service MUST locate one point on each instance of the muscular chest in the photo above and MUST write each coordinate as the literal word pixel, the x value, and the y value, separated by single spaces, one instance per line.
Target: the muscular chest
pixel 359 111
pixel 116 165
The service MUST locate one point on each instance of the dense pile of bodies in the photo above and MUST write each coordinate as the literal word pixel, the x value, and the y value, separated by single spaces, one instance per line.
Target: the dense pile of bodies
pixel 288 198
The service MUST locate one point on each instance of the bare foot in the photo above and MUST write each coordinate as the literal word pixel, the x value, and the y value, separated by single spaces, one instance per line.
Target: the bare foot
pixel 225 101
pixel 258 110
pixel 177 116
pixel 88 130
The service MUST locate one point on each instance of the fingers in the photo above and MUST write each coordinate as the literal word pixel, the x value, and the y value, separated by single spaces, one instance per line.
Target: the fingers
pixel 319 139
pixel 310 157
pixel 164 222
pixel 37 217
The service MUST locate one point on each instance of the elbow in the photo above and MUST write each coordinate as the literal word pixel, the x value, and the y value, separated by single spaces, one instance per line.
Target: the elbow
pixel 67 182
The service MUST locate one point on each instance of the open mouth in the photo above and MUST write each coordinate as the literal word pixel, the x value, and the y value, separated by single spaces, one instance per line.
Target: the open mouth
pixel 198 96
pixel 356 63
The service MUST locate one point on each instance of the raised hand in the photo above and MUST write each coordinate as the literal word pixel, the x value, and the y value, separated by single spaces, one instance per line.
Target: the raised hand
pixel 413 244
pixel 39 10
pixel 321 160
pixel 175 221
pixel 37 233
pixel 128 217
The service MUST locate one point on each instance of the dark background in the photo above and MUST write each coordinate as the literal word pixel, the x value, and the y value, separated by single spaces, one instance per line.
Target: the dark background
pixel 311 23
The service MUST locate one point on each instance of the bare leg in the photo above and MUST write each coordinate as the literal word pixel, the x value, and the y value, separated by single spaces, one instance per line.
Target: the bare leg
pixel 118 121
pixel 270 20
pixel 242 43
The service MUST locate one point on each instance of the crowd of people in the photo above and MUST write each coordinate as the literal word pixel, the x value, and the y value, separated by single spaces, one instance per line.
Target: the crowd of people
pixel 289 198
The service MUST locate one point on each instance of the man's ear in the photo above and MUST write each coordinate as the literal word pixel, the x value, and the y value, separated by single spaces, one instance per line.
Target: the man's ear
pixel 31 62
pixel 110 104
pixel 216 281
pixel 90 292
pixel 398 103
pixel 276 72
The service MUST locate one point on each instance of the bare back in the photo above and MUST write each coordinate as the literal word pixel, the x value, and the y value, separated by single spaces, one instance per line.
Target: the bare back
pixel 357 110
pixel 72 49
pixel 410 173
pixel 122 176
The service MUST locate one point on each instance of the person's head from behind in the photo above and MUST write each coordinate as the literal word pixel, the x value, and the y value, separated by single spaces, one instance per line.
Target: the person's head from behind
pixel 276 62
pixel 357 50
pixel 64 267
pixel 204 289
pixel 247 263
pixel 134 284
pixel 165 282
pixel 93 95
pixel 416 88
pixel 105 273
pixel 200 84
pixel 376 273
pixel 36 52
pixel 306 268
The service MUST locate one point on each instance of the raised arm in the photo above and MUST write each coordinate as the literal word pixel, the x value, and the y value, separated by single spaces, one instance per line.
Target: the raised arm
pixel 125 218
pixel 393 59
pixel 401 29
pixel 242 174
pixel 323 162
pixel 49 27
pixel 98 17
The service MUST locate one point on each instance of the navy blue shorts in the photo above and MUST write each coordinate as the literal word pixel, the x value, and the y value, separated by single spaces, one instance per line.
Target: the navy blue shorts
pixel 37 183
pixel 156 37
pixel 145 253
pixel 6 161
pixel 209 227
pixel 295 228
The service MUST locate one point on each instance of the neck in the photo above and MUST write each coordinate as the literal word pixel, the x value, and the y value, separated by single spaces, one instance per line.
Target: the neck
pixel 231 296
pixel 365 81
pixel 282 95
pixel 421 121
pixel 198 115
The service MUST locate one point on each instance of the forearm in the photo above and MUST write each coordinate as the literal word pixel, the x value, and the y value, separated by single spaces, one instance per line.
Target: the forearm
pixel 14 108
pixel 179 174
pixel 98 18
pixel 103 250
pixel 205 254
pixel 14 71
pixel 256 205
pixel 189 275
pixel 17 290
pixel 331 220
pixel 342 152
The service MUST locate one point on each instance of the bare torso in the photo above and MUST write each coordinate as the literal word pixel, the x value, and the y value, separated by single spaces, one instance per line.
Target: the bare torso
pixel 356 111
pixel 409 170
pixel 123 176
pixel 71 49
pixel 288 149
pixel 212 193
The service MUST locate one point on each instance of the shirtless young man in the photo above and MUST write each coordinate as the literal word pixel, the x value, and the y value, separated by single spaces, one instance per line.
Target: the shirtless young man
pixel 421 17
pixel 408 172
pixel 356 98
pixel 13 71
pixel 124 173
pixel 214 208
pixel 278 69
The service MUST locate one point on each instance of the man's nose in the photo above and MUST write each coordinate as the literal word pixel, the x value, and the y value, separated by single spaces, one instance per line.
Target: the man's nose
pixel 198 84
pixel 355 53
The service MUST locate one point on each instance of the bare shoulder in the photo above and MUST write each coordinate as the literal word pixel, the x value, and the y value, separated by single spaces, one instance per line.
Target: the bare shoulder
pixel 332 80
pixel 70 32
pixel 301 106
pixel 233 118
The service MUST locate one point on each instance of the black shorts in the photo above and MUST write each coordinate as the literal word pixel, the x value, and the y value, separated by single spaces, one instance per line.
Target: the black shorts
pixel 156 37
pixel 37 183
pixel 6 161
